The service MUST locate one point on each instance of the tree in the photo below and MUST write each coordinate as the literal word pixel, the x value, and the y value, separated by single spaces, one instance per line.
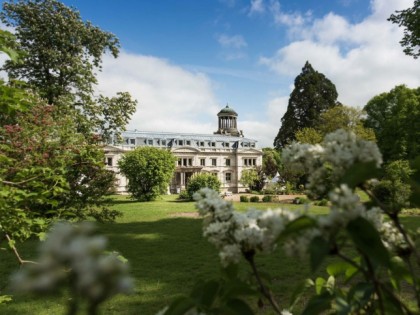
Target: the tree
pixel 49 172
pixel 410 20
pixel 394 116
pixel 59 55
pixel 313 94
pixel 271 162
pixel 148 170
pixel 338 117
pixel 202 180
pixel 253 178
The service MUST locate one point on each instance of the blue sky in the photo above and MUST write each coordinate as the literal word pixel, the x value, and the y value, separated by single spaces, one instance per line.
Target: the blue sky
pixel 185 59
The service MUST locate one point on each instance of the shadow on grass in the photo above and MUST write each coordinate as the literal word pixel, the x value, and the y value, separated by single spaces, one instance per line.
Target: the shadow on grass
pixel 167 257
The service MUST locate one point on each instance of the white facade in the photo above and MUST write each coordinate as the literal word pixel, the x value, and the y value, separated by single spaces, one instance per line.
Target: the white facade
pixel 225 155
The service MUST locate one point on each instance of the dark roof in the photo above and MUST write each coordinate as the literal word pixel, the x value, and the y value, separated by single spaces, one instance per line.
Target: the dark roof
pixel 228 110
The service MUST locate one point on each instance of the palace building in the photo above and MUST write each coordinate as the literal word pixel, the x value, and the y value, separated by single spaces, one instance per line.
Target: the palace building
pixel 226 153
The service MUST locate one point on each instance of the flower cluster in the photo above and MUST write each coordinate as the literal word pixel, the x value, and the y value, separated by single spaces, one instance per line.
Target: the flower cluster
pixel 328 162
pixel 74 255
pixel 235 234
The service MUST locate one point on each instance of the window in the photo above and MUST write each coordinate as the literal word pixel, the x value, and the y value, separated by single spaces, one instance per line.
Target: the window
pixel 228 177
pixel 213 162
pixel 179 162
pixel 227 144
pixel 109 161
pixel 164 142
pixel 227 162
pixel 213 144
pixel 254 161
pixel 150 142
pixel 188 142
pixel 180 142
pixel 202 144
pixel 253 145
pixel 203 162
pixel 133 141
pixel 189 162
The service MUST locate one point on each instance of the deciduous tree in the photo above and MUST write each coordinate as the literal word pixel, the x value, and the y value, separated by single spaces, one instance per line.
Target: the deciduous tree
pixel 394 116
pixel 60 53
pixel 148 170
pixel 202 180
pixel 410 20
pixel 313 94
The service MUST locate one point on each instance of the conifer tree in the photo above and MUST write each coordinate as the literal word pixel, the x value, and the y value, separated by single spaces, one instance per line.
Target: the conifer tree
pixel 313 94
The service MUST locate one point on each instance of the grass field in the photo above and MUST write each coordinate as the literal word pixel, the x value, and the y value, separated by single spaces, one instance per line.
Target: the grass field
pixel 167 253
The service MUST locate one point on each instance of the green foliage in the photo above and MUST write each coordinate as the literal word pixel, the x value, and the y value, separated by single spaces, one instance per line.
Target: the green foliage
pixel 49 172
pixel 271 162
pixel 9 46
pixel 308 135
pixel 267 199
pixel 59 54
pixel 253 178
pixel 254 199
pixel 202 180
pixel 243 198
pixel 183 195
pixel 409 19
pixel 394 190
pixel 148 170
pixel 313 94
pixel 338 117
pixel 394 117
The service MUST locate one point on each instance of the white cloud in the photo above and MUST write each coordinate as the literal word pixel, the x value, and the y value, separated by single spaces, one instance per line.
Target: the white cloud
pixel 361 59
pixel 266 130
pixel 235 41
pixel 257 6
pixel 170 98
pixel 288 19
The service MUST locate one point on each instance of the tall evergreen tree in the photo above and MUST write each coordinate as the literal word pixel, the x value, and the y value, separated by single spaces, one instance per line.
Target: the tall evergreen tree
pixel 313 94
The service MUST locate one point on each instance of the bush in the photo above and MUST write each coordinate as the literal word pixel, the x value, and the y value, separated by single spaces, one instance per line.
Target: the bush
pixel 202 180
pixel 254 199
pixel 267 198
pixel 184 195
pixel 244 199
pixel 269 191
pixel 322 202
pixel 300 200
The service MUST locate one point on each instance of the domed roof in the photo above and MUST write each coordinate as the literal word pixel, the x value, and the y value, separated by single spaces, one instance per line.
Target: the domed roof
pixel 227 111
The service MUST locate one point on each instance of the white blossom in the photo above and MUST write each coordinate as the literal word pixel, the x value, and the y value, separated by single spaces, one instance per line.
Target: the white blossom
pixel 74 254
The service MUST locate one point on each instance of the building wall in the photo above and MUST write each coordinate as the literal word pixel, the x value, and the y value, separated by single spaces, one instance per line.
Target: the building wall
pixel 224 156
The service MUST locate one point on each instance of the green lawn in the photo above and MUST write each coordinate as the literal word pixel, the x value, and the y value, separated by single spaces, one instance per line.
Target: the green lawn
pixel 167 254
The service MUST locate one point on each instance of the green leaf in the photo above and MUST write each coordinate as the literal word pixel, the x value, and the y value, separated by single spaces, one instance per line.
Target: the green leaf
pixel 180 306
pixel 239 307
pixel 302 223
pixel 359 173
pixel 318 250
pixel 338 267
pixel 367 240
pixel 319 285
pixel 318 304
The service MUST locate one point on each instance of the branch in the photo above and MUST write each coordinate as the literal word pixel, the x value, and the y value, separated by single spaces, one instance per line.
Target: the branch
pixel 263 289
pixel 14 249
pixel 18 183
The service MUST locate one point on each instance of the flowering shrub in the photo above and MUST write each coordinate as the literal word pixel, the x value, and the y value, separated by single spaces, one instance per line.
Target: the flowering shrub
pixel 382 246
